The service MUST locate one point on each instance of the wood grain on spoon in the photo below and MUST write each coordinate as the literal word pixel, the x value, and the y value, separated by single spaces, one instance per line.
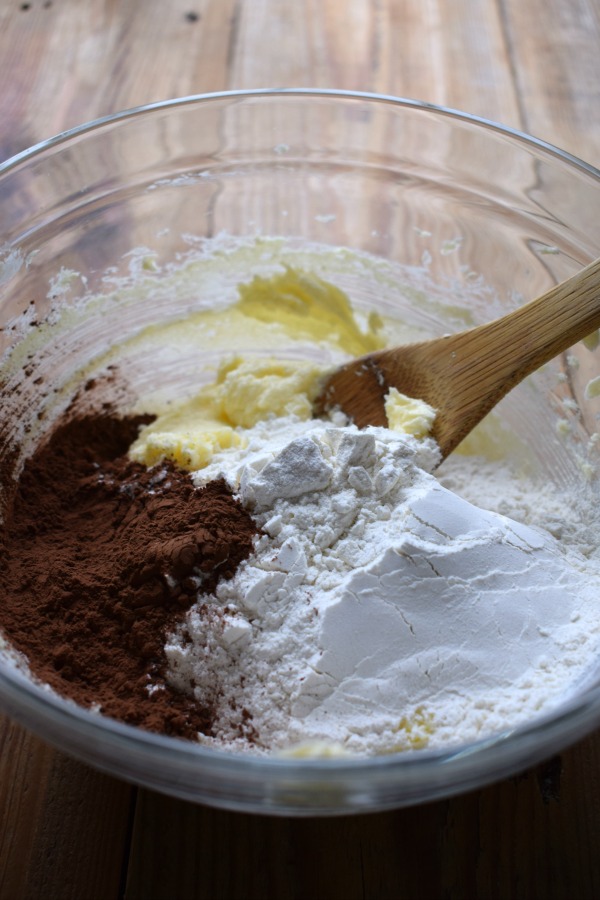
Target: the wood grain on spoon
pixel 464 375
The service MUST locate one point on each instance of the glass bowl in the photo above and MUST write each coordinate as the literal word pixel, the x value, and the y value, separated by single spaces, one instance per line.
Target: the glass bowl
pixel 448 220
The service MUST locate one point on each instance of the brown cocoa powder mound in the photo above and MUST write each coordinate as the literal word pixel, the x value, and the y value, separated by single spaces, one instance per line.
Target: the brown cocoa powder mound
pixel 100 558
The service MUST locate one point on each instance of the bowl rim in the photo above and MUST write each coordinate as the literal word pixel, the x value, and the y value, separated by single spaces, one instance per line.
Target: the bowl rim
pixel 297 92
pixel 510 744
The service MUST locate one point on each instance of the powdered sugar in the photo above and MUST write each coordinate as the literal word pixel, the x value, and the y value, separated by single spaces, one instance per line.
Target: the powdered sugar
pixel 379 610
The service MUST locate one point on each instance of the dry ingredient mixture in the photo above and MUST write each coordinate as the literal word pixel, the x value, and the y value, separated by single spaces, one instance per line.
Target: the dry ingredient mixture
pixel 237 572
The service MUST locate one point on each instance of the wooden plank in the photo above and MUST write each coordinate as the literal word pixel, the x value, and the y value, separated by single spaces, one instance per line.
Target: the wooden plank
pixel 69 62
pixel 181 850
pixel 24 770
pixel 553 46
pixel 403 47
pixel 64 828
pixel 532 836
pixel 66 63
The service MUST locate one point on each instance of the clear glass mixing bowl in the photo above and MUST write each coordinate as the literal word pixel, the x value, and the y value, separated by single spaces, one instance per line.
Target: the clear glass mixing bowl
pixel 474 217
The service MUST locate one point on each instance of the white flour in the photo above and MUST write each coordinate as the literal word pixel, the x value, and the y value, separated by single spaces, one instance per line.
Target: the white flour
pixel 380 611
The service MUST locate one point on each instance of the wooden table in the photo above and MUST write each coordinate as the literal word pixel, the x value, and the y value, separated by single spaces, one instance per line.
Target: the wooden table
pixel 67 831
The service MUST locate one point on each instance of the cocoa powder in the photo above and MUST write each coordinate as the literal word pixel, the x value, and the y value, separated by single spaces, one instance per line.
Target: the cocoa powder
pixel 101 558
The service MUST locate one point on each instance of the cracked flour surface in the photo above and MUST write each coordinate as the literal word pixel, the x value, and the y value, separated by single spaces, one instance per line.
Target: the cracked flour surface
pixel 379 610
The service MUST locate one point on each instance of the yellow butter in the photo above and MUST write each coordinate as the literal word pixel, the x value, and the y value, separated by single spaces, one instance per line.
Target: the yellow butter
pixel 306 306
pixel 245 392
pixel 592 388
pixel 191 447
pixel 408 415
pixel 248 391
pixel 315 750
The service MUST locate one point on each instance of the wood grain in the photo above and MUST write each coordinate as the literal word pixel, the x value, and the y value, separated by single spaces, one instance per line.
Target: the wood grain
pixel 552 47
pixel 65 830
pixel 516 839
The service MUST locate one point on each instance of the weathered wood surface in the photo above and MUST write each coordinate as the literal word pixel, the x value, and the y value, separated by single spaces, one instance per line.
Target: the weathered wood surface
pixel 69 832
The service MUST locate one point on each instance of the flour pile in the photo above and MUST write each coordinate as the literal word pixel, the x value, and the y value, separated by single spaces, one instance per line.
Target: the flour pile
pixel 379 611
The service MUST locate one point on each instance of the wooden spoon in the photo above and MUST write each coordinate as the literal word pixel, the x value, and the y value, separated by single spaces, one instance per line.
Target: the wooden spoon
pixel 464 375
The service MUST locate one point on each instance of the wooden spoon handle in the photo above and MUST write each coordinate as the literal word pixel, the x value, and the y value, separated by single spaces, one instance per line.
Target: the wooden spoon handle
pixel 537 332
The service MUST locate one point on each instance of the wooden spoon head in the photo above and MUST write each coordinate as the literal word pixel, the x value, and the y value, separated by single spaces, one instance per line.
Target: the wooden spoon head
pixel 423 371
pixel 358 389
